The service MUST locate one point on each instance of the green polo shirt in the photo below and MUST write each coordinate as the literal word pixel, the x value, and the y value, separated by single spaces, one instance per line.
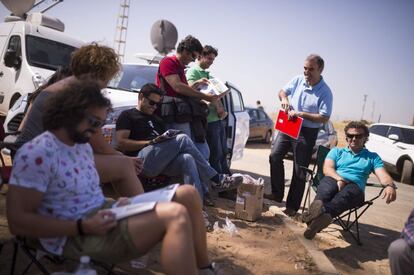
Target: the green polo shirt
pixel 195 73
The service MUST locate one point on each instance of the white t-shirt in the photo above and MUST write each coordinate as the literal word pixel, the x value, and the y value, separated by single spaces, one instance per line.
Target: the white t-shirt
pixel 65 174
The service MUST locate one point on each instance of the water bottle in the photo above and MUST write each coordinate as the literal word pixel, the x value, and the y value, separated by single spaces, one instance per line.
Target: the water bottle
pixel 85 267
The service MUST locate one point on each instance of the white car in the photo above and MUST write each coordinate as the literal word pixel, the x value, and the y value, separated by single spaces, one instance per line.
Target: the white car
pixel 122 91
pixel 123 94
pixel 394 143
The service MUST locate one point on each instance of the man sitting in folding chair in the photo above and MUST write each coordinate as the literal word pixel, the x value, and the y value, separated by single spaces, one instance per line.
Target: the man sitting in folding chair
pixel 346 172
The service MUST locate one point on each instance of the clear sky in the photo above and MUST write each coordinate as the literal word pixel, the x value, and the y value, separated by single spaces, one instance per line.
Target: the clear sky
pixel 368 45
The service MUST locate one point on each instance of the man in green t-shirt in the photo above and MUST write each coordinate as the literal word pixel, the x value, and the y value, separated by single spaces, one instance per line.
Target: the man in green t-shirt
pixel 216 135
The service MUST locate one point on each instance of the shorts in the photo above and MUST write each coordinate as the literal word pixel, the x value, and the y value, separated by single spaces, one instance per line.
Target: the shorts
pixel 114 247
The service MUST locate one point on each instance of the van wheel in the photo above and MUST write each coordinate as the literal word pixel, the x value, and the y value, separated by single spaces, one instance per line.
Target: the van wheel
pixel 14 99
pixel 407 172
pixel 267 137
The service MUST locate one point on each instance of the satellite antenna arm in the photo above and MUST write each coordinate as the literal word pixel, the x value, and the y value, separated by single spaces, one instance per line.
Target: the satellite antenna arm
pixel 51 6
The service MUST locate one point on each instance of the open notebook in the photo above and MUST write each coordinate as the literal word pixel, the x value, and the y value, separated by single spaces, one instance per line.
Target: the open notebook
pixel 145 202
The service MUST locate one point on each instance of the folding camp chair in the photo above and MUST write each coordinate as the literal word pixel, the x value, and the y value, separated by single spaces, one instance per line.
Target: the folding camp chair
pixel 36 254
pixel 344 220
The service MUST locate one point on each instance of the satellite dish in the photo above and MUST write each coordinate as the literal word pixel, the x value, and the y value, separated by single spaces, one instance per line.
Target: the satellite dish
pixel 164 36
pixel 18 7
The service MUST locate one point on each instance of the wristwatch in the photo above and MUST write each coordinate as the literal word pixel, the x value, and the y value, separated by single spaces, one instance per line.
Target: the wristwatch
pixel 392 185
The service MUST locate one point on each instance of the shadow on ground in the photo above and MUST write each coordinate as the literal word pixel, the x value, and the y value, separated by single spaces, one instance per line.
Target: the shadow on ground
pixel 375 242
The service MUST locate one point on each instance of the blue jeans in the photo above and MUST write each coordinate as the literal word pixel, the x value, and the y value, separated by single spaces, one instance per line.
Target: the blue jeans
pixel 177 157
pixel 216 139
pixel 336 202
pixel 302 153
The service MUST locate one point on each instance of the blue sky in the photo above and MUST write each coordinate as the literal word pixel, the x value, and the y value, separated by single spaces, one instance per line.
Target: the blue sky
pixel 367 45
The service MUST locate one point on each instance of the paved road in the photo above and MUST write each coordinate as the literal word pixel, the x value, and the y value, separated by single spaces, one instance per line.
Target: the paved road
pixel 392 216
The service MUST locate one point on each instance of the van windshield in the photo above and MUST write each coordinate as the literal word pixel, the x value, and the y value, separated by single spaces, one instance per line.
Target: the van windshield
pixel 47 53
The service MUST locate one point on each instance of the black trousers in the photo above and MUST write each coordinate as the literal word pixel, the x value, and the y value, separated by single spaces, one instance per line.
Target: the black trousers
pixel 335 202
pixel 302 153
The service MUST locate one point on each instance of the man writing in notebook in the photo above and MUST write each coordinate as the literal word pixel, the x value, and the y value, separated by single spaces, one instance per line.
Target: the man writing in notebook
pixel 309 97
pixel 55 198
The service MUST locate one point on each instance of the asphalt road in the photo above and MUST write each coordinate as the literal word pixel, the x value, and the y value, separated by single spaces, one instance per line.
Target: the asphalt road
pixel 382 216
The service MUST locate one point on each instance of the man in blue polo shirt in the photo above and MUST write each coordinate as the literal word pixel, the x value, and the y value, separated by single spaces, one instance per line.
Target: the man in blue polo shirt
pixel 346 172
pixel 309 97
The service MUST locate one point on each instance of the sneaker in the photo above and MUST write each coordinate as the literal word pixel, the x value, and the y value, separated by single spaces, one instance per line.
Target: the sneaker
pixel 317 225
pixel 227 182
pixel 314 211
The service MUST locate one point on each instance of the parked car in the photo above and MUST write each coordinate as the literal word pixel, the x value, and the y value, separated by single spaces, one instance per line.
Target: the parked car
pixel 261 125
pixel 394 143
pixel 327 136
pixel 123 93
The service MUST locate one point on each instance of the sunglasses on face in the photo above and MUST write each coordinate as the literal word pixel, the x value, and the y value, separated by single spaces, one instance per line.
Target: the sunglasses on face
pixel 94 122
pixel 351 136
pixel 152 102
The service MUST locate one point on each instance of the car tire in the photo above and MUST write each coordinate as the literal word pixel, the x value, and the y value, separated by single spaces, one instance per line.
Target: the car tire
pixel 267 137
pixel 407 172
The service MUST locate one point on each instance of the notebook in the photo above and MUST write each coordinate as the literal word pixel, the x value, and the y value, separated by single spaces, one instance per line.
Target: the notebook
pixel 288 127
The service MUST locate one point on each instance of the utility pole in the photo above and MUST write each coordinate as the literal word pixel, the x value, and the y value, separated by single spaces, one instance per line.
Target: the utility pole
pixel 373 111
pixel 121 29
pixel 363 106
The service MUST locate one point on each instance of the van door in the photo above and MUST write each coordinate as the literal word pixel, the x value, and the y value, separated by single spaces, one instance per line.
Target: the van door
pixel 8 75
pixel 237 123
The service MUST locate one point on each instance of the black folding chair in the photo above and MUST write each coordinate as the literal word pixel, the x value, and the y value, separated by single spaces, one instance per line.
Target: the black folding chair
pixel 349 218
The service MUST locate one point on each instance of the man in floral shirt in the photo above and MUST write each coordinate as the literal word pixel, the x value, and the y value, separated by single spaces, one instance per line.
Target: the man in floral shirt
pixel 55 197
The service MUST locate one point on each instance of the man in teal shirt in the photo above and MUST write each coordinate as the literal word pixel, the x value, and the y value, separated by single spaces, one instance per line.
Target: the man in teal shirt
pixel 216 136
pixel 346 172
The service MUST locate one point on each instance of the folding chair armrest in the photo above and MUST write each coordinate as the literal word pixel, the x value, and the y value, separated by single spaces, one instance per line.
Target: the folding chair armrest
pixel 376 185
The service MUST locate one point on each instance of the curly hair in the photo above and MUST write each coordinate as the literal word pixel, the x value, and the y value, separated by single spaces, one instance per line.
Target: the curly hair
pixel 207 50
pixel 101 62
pixel 357 125
pixel 67 108
pixel 191 44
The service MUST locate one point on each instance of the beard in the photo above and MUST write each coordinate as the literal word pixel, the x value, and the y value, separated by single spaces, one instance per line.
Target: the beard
pixel 79 137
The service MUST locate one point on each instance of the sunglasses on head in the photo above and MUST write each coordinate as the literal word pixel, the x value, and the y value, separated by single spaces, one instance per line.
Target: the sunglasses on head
pixel 94 122
pixel 351 136
pixel 152 102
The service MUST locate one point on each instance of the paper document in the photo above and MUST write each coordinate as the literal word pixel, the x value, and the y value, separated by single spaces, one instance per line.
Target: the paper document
pixel 215 87
pixel 144 202
pixel 288 127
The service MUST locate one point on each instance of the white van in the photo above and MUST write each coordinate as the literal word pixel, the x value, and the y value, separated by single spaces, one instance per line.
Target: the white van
pixel 31 50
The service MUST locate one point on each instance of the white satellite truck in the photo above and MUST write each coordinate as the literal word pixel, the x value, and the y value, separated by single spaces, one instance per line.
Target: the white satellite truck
pixel 32 47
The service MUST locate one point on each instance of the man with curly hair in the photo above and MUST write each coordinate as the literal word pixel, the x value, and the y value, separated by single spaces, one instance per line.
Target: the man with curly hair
pixel 346 172
pixel 55 199
pixel 98 63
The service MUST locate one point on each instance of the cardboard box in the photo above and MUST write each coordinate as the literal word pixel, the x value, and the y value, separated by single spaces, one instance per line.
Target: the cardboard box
pixel 249 202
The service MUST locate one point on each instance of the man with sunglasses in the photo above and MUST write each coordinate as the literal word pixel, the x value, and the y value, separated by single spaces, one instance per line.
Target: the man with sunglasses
pixel 140 133
pixel 346 172
pixel 55 200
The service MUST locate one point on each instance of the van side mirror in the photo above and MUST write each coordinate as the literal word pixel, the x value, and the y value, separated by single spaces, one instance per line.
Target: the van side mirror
pixel 394 137
pixel 12 60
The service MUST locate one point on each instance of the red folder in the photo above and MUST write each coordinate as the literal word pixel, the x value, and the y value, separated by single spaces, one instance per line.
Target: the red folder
pixel 288 127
